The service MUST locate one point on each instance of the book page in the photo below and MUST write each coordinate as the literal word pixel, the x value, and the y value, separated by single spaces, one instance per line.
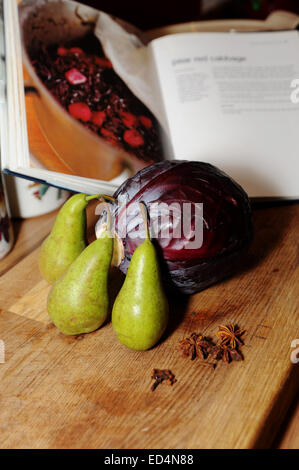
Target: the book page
pixel 228 102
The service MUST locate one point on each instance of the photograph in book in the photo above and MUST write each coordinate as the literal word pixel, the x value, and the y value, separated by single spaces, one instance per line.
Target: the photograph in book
pixel 91 100
pixel 82 119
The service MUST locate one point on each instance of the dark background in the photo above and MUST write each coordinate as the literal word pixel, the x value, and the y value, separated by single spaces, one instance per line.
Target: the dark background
pixel 154 13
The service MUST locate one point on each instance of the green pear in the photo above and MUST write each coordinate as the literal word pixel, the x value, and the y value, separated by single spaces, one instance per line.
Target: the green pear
pixel 78 301
pixel 66 240
pixel 140 311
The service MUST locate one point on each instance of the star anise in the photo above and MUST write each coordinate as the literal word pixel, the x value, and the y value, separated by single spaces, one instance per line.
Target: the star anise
pixel 217 353
pixel 235 354
pixel 230 335
pixel 195 345
pixel 161 375
pixel 226 353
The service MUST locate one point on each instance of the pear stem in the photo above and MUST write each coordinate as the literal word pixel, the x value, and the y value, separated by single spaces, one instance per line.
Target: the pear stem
pixel 99 196
pixel 143 211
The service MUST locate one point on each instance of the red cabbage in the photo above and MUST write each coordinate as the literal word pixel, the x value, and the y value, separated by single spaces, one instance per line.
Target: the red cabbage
pixel 226 218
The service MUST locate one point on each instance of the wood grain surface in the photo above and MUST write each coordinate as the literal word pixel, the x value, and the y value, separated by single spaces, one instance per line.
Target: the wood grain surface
pixel 91 392
pixel 290 435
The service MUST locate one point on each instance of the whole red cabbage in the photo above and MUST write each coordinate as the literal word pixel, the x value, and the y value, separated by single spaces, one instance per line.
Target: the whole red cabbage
pixel 226 217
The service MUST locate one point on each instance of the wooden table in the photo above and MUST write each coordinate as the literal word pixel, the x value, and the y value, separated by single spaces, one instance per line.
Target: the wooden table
pixel 58 391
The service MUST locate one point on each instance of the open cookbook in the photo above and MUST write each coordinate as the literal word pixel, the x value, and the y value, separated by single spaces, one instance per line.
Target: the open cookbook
pixel 87 100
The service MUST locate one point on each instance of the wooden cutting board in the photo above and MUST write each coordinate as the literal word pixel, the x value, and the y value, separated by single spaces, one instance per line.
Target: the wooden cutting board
pixel 91 392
